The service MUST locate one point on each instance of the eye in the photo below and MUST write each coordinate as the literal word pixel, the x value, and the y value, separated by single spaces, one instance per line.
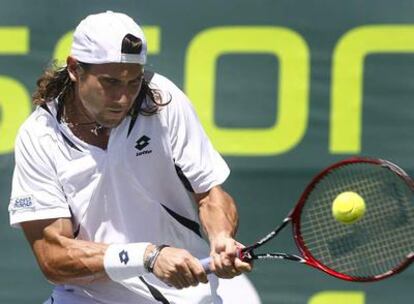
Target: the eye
pixel 111 81
pixel 135 82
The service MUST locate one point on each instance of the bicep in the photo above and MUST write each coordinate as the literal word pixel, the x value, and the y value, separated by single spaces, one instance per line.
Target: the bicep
pixel 44 231
pixel 45 238
pixel 217 212
pixel 215 195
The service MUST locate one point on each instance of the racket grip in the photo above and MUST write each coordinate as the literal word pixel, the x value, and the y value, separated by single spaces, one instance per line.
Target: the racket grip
pixel 206 264
pixel 206 261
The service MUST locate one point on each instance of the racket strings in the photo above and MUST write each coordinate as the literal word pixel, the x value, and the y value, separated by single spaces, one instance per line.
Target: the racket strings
pixel 380 241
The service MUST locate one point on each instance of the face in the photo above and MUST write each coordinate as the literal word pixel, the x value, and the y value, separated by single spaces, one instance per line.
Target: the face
pixel 107 91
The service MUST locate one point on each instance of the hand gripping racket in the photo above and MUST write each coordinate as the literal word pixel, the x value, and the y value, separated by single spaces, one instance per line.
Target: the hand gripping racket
pixel 378 245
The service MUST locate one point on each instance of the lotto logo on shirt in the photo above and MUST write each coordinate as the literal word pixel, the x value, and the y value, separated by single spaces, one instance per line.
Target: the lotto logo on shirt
pixel 141 143
pixel 23 202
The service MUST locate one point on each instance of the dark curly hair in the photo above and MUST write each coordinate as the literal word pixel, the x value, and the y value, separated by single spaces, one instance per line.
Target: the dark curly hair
pixel 56 83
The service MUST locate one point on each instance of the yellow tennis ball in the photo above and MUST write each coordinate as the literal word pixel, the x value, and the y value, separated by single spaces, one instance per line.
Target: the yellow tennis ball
pixel 348 207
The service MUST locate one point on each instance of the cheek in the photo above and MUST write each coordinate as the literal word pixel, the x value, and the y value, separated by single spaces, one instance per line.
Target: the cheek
pixel 134 92
pixel 125 95
pixel 92 97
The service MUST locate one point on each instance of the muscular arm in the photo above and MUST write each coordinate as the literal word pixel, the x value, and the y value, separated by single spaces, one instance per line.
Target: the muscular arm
pixel 219 217
pixel 61 258
pixel 218 213
pixel 65 260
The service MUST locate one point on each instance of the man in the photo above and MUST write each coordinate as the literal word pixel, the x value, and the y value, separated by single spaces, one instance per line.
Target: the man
pixel 114 176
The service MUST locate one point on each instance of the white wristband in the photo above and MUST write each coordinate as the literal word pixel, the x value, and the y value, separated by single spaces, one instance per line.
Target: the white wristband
pixel 124 261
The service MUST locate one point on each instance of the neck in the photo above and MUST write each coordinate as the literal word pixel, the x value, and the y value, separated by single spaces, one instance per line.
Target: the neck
pixel 75 112
pixel 83 126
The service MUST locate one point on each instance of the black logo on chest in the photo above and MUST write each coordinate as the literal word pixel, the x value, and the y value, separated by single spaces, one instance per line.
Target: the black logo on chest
pixel 141 143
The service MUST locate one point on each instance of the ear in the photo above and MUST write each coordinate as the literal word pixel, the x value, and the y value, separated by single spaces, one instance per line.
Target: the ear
pixel 72 66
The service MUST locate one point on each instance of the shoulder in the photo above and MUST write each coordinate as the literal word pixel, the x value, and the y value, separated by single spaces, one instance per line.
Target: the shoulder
pixel 177 106
pixel 41 123
pixel 165 86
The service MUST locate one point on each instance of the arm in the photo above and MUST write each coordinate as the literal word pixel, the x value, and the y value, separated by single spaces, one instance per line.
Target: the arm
pixel 203 166
pixel 64 260
pixel 218 213
pixel 61 258
pixel 219 217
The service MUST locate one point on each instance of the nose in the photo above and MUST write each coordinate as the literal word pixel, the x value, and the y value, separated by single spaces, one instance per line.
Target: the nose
pixel 123 96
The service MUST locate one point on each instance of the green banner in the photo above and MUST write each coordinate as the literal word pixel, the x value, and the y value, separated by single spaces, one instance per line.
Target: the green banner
pixel 283 88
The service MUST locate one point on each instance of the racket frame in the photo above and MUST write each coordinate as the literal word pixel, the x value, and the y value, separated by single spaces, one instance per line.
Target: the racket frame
pixel 305 256
pixel 296 213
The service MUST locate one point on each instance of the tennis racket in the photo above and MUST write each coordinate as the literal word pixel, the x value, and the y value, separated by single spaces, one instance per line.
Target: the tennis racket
pixel 378 245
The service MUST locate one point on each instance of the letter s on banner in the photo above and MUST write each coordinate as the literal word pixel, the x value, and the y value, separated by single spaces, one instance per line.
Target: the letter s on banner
pixel 14 99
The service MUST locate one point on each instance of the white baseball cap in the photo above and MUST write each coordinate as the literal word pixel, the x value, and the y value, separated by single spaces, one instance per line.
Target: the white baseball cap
pixel 98 39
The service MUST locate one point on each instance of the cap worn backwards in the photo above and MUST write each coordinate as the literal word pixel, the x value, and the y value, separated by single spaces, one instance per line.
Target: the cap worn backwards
pixel 100 38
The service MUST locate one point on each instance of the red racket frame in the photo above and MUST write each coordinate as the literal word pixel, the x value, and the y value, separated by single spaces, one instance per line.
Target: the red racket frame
pixel 296 213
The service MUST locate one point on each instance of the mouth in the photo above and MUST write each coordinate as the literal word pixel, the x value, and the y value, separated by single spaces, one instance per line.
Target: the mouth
pixel 116 111
pixel 114 116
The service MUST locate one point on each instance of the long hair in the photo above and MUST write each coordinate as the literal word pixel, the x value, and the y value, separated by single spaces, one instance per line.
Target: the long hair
pixel 56 83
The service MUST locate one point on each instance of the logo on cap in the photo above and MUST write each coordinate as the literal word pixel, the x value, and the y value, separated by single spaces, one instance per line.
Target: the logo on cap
pixel 131 45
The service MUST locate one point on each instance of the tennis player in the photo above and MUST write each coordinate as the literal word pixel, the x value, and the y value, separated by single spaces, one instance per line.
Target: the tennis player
pixel 116 185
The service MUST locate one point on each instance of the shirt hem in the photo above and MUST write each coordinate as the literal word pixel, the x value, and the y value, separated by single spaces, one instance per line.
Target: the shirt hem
pixel 26 216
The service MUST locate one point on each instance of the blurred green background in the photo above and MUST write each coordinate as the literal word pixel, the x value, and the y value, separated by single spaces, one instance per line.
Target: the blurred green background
pixel 283 88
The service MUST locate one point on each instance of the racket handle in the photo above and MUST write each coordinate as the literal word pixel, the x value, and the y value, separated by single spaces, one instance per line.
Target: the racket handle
pixel 206 261
pixel 206 264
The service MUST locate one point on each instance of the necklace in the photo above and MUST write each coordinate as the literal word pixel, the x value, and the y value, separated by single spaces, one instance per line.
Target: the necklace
pixel 96 129
pixel 81 129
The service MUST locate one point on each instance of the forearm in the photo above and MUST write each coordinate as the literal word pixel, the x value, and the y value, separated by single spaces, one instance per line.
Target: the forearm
pixel 219 217
pixel 218 214
pixel 66 260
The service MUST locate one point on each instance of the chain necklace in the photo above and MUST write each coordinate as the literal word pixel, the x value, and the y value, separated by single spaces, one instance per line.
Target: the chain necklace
pixel 90 132
pixel 96 129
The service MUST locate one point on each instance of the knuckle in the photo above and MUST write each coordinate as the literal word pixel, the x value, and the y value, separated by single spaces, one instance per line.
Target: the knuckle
pixel 186 259
pixel 199 273
pixel 168 276
pixel 181 265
